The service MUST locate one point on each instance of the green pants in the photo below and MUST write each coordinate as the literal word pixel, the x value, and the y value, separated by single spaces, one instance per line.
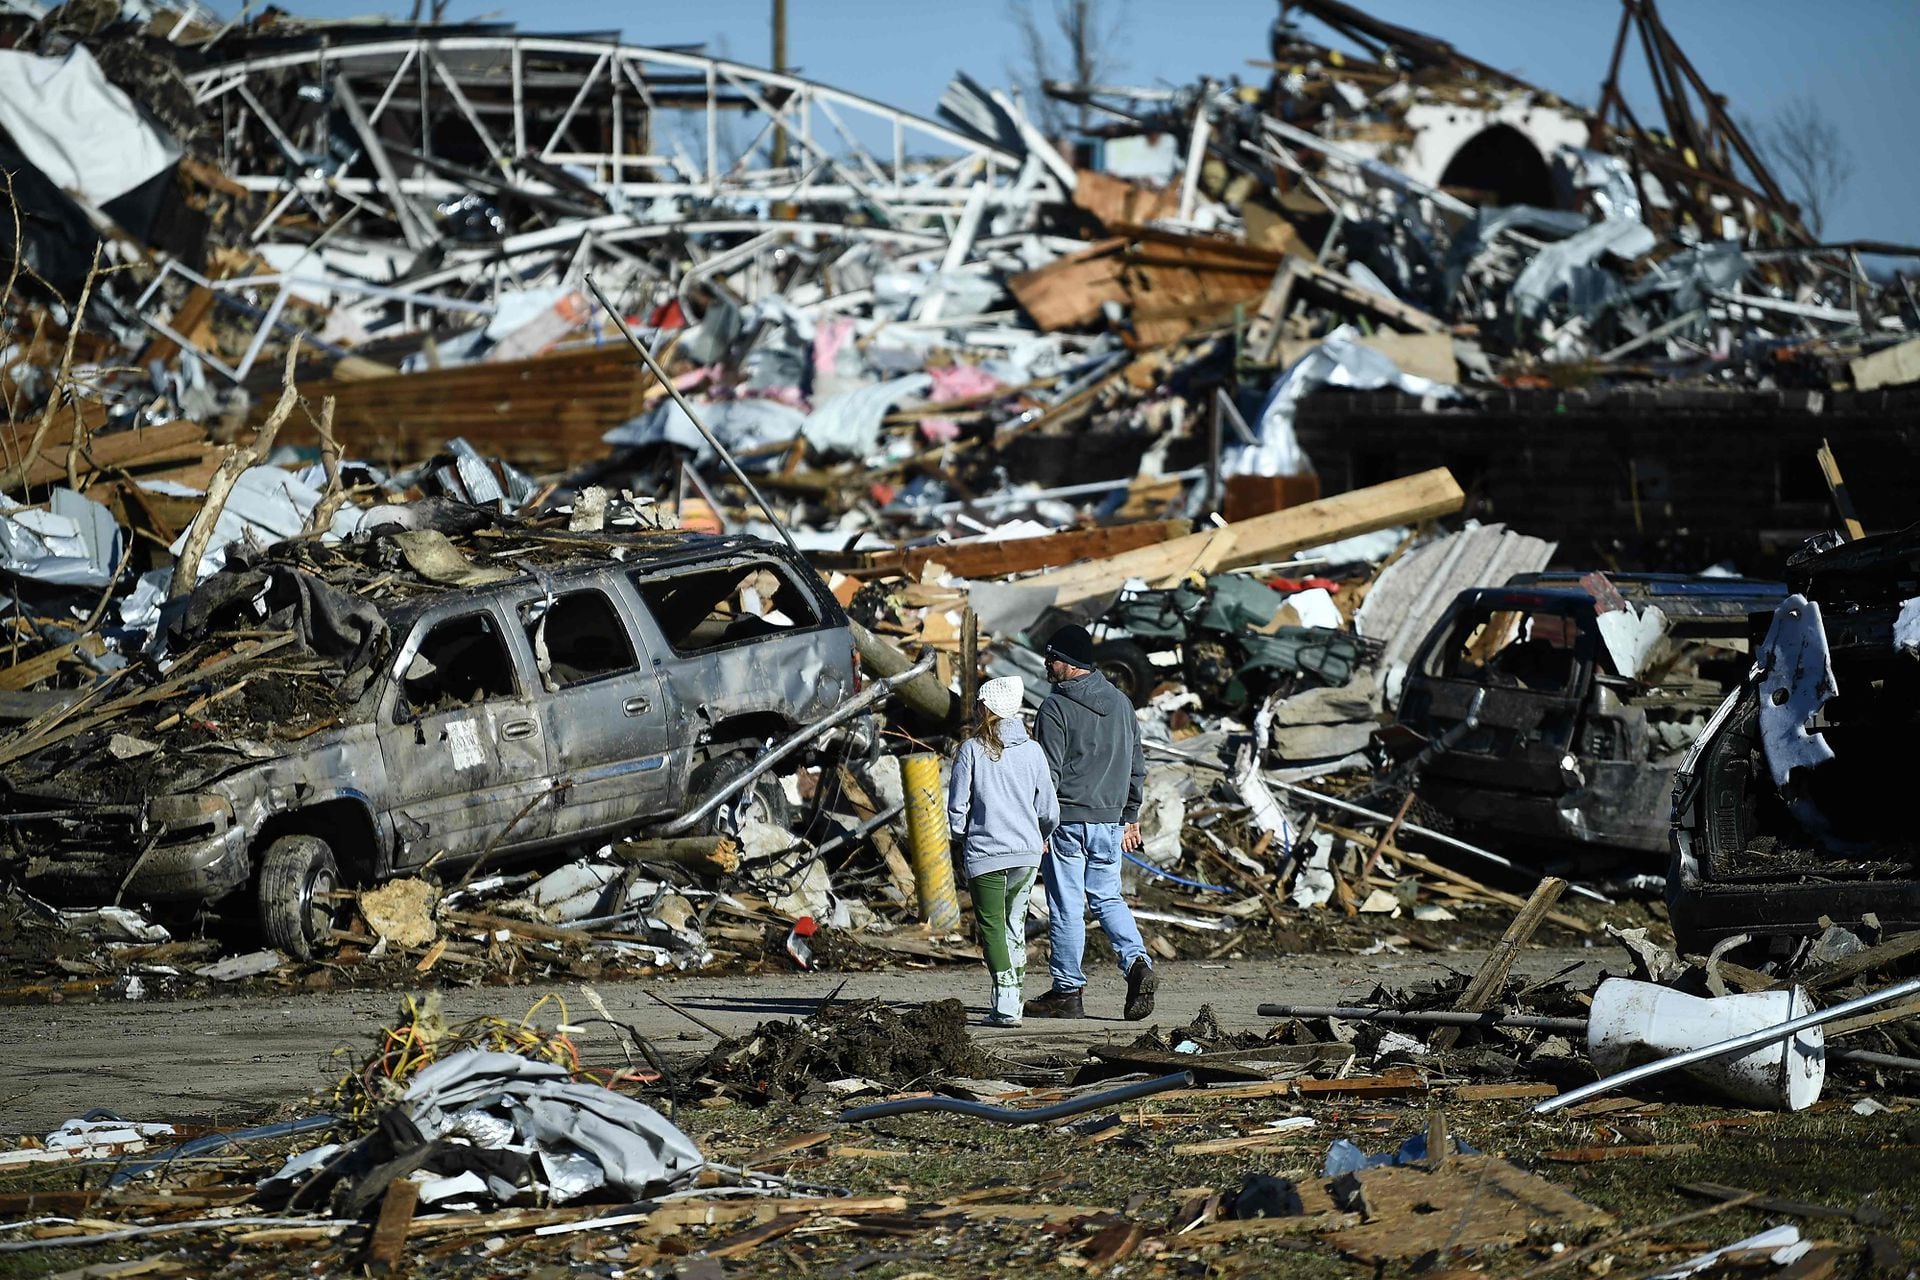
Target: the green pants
pixel 1000 908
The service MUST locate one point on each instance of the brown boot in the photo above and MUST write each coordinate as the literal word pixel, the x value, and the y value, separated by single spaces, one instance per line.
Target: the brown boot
pixel 1056 1004
pixel 1142 982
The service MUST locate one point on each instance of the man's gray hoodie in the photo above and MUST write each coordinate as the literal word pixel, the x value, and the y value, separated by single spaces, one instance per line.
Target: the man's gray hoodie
pixel 1092 742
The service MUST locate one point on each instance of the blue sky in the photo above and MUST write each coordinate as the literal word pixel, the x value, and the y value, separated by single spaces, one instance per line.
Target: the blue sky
pixel 1857 59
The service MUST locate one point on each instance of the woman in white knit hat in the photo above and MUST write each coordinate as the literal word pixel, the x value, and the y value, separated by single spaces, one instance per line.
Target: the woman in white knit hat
pixel 1001 806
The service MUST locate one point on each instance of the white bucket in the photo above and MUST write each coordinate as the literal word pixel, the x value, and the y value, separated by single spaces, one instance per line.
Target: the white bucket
pixel 1636 1022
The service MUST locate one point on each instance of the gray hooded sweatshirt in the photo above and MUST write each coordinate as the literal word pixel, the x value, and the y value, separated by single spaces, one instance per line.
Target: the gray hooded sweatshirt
pixel 1092 742
pixel 1001 811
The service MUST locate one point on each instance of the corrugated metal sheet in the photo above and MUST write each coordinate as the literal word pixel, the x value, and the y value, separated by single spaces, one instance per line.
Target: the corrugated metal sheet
pixel 1416 589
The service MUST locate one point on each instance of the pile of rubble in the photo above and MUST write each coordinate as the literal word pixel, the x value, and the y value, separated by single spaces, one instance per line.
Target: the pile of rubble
pixel 303 350
pixel 1356 1134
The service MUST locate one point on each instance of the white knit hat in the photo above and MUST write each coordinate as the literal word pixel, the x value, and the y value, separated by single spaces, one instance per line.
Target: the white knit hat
pixel 1002 696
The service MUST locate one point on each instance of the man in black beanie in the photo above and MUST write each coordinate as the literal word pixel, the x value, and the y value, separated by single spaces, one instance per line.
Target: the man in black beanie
pixel 1092 742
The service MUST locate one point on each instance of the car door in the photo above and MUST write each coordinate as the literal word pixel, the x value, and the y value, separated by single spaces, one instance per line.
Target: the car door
pixel 606 720
pixel 743 638
pixel 463 742
pixel 1521 667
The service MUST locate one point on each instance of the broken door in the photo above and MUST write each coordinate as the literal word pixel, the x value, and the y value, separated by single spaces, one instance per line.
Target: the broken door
pixel 465 751
pixel 606 719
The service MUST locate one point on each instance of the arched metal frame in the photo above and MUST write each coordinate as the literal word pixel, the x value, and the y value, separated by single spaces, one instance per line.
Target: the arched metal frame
pixel 558 121
pixel 600 152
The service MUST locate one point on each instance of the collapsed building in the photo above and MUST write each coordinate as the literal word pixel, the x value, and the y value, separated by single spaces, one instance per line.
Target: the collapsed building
pixel 1204 377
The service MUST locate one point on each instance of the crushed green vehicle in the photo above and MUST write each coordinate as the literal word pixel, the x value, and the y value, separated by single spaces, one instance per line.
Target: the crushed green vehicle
pixel 1221 641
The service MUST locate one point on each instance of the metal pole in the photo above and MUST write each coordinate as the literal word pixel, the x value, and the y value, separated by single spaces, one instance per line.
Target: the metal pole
pixel 1738 1044
pixel 654 366
pixel 1336 803
pixel 793 742
pixel 780 65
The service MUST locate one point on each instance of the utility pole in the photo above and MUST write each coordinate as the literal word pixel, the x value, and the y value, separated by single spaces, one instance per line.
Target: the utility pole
pixel 780 64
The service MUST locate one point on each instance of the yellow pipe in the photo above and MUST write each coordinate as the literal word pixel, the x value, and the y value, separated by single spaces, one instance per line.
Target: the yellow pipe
pixel 930 842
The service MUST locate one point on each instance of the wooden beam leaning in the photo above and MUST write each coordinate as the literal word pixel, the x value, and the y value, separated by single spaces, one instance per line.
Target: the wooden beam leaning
pixel 1492 977
pixel 1263 538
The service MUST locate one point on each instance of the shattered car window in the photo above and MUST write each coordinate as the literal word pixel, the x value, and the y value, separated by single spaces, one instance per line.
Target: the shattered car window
pixel 711 608
pixel 1512 648
pixel 462 661
pixel 576 638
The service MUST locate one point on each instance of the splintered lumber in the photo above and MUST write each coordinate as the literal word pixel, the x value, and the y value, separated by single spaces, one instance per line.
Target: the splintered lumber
pixel 1492 978
pixel 199 536
pixel 1263 538
pixel 1502 1092
pixel 999 558
pixel 1440 871
pixel 389 1239
pixel 1847 968
pixel 138 449
pixel 747 1241
pixel 1598 1155
pixel 711 855
pixel 532 929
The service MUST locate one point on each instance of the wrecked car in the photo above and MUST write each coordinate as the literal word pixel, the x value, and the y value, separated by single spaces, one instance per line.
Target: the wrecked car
pixel 1562 703
pixel 603 684
pixel 1786 816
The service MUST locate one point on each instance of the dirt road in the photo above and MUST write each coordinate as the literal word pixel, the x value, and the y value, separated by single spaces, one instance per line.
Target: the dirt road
pixel 223 1060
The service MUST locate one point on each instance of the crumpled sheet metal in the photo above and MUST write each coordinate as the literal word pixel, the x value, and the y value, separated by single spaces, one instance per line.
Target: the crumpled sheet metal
pixel 267 505
pixel 849 423
pixel 740 425
pixel 1339 361
pixel 636 1149
pixel 1563 269
pixel 74 543
pixel 77 128
pixel 1795 682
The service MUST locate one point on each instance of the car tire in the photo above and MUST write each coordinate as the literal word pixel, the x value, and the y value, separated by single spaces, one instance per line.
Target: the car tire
pixel 1127 668
pixel 765 799
pixel 296 877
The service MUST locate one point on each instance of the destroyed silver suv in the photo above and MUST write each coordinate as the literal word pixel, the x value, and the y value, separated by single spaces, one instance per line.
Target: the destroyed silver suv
pixel 581 697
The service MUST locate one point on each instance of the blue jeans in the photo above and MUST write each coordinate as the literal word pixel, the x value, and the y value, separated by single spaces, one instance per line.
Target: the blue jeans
pixel 1082 870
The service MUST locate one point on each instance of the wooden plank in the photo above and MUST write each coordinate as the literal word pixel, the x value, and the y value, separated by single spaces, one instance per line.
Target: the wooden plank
pixel 1720 1191
pixel 1267 1228
pixel 1598 1155
pixel 1252 1143
pixel 545 412
pixel 1440 871
pixel 747 1241
pixel 1264 538
pixel 715 855
pixel 1492 978
pixel 1502 1092
pixel 787 1148
pixel 1391 1084
pixel 191 314
pixel 1847 968
pixel 389 1239
pixel 1015 555
pixel 168 444
pixel 1117 202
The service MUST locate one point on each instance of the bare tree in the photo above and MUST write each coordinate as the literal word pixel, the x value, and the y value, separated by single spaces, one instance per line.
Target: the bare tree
pixel 1808 152
pixel 1072 40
